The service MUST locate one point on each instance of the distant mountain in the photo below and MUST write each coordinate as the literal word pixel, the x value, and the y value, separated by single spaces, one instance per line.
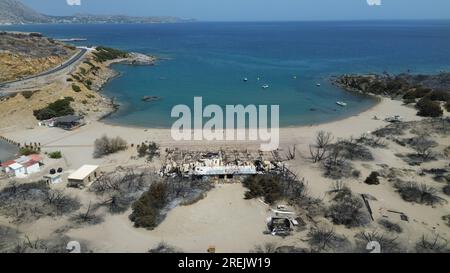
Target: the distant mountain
pixel 14 12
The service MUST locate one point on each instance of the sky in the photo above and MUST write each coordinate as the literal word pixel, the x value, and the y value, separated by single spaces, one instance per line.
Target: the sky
pixel 254 10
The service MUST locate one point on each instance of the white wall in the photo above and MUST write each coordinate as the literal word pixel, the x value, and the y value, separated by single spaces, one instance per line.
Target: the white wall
pixel 33 169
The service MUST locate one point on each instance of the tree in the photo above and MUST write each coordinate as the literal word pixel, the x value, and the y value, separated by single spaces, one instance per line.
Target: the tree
pixel 319 150
pixel 105 146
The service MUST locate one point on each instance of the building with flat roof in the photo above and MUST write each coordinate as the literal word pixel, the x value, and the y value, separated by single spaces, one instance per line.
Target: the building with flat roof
pixel 83 176
pixel 23 166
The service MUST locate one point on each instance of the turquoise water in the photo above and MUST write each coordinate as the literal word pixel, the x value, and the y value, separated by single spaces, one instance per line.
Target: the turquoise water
pixel 211 59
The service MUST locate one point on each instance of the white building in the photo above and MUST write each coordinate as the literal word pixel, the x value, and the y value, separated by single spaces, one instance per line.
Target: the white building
pixel 23 166
pixel 83 176
pixel 53 178
pixel 18 170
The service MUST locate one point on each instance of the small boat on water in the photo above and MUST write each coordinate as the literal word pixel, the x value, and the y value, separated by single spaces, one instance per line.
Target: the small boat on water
pixel 341 103
pixel 318 85
pixel 265 86
pixel 245 79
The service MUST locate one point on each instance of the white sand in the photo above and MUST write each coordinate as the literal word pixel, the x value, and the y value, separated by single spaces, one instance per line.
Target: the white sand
pixel 223 220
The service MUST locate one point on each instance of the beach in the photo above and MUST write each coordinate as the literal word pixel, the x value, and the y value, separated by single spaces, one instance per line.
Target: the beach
pixel 223 219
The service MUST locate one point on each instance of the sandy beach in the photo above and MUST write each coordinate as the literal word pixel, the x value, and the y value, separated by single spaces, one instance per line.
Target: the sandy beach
pixel 224 219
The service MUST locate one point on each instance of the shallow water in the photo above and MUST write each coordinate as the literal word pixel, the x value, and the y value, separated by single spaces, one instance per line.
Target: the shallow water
pixel 211 60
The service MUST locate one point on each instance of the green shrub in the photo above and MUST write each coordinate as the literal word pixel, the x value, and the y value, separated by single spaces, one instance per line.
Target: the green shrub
pixel 55 155
pixel 106 53
pixel 76 88
pixel 439 95
pixel 417 93
pixel 27 94
pixel 146 210
pixel 373 179
pixel 429 108
pixel 28 151
pixel 55 109
pixel 266 186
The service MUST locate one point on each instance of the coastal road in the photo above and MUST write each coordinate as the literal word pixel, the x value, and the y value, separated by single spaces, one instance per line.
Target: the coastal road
pixel 74 59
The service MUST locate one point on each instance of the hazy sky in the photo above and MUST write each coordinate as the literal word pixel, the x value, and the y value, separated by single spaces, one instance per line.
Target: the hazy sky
pixel 254 10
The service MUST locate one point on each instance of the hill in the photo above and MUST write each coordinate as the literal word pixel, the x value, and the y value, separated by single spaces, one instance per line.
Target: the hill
pixel 13 12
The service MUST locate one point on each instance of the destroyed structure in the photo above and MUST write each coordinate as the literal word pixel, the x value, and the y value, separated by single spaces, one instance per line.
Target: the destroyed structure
pixel 222 164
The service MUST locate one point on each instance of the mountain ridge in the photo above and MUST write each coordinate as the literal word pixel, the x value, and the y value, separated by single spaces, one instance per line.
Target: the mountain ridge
pixel 14 12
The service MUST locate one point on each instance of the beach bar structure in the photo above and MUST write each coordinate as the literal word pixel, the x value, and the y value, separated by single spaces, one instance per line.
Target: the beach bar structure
pixel 68 122
pixel 224 171
pixel 83 176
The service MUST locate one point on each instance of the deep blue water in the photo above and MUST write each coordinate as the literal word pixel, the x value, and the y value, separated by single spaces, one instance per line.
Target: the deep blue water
pixel 211 59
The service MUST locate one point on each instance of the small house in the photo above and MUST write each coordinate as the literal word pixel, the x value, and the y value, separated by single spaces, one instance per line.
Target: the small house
pixel 55 178
pixel 83 176
pixel 18 170
pixel 69 122
pixel 23 166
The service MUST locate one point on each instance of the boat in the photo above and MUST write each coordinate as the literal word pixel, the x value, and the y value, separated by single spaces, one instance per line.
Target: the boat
pixel 318 85
pixel 245 79
pixel 265 86
pixel 341 103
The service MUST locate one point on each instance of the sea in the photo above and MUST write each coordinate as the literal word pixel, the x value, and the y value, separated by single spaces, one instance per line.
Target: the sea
pixel 211 60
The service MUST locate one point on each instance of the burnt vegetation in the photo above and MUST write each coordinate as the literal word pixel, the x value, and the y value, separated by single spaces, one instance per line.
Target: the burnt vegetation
pixel 347 209
pixel 32 201
pixel 162 195
pixel 418 193
pixel 282 187
pixel 388 242
pixel 325 239
pixel 336 157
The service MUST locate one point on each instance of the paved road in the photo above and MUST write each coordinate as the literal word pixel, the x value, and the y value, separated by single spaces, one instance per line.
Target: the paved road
pixel 68 63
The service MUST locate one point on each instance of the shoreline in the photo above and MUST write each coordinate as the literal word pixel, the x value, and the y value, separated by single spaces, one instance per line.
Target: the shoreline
pixel 116 106
pixel 377 100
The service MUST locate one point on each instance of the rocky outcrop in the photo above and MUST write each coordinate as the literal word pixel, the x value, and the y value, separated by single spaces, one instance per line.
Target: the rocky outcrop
pixel 140 59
